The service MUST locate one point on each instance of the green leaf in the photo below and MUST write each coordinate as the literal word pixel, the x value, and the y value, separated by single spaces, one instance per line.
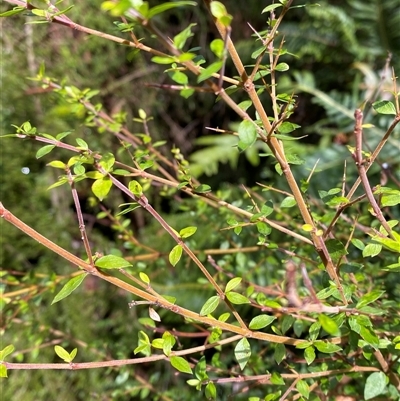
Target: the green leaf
pixel 6 351
pixel 233 283
pixel 261 321
pixel 3 369
pixel 217 47
pixel 270 8
pixel 325 347
pixel 267 208
pixel 314 330
pixel 210 391
pixel 394 267
pixel 175 255
pixel 101 187
pixel 44 150
pixel 63 353
pixel 193 382
pixel 107 161
pixel 358 243
pixel 82 144
pixel 95 175
pixel 303 388
pixel 131 206
pixel 369 336
pixel 285 67
pixel 180 364
pixel 375 385
pixel 201 189
pixel 263 228
pixel 79 169
pixel 111 262
pixel 286 128
pixel 390 200
pixel 162 60
pixel 388 243
pixel 277 379
pixel 207 72
pixel 247 134
pixel 210 305
pixel 69 287
pixel 329 325
pixel 167 6
pixel 218 10
pixel 289 201
pixel 144 345
pixel 72 354
pixel 279 353
pixel 179 77
pixel 169 342
pixel 200 370
pixel 9 13
pixel 369 298
pixel 237 230
pixel 144 277
pixel 61 181
pixel 287 323
pixel 224 317
pixel 309 355
pixel 242 352
pixel 135 188
pixel 186 93
pixel 336 249
pixel 372 250
pixel 57 164
pixel 187 231
pixel 182 37
pixel 384 107
pixel 237 298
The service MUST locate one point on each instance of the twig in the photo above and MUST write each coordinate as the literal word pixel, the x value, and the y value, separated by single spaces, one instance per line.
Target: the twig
pixel 82 229
pixel 360 163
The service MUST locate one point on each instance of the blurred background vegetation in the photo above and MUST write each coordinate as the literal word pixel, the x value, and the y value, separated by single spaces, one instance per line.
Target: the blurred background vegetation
pixel 339 52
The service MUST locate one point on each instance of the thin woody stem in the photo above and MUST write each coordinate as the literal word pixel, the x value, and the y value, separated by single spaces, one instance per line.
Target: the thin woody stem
pixel 161 302
pixel 278 151
pixel 360 163
pixel 81 222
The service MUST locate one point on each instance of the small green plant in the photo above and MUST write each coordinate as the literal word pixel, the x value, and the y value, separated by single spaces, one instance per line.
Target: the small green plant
pixel 291 294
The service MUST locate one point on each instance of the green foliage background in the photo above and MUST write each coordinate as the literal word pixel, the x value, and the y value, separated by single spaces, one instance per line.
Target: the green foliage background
pixel 339 49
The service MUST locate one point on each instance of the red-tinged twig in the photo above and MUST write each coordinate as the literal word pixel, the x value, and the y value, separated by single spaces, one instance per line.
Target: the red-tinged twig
pixel 360 163
pixel 81 222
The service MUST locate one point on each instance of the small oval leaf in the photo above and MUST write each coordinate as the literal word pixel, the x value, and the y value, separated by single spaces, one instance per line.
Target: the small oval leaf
pixel 69 287
pixel 112 262
pixel 384 107
pixel 175 255
pixel 233 284
pixel 237 298
pixel 101 187
pixel 325 347
pixel 375 385
pixel 242 352
pixel 187 232
pixel 44 150
pixel 210 305
pixel 6 351
pixel 261 321
pixel 62 353
pixel 247 134
pixel 144 277
pixel 329 325
pixel 180 364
